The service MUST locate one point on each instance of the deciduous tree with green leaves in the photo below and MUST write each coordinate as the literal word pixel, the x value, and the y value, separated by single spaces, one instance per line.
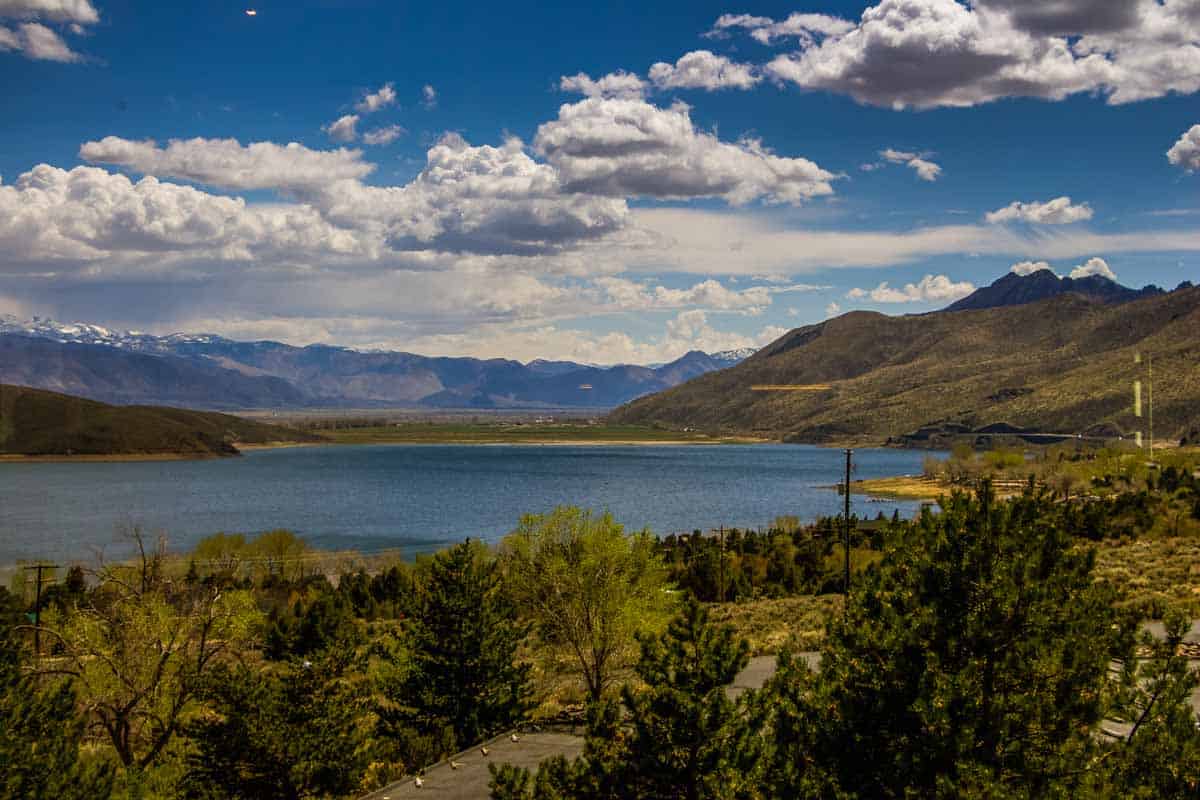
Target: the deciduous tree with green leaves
pixel 588 587
pixel 684 738
pixel 40 732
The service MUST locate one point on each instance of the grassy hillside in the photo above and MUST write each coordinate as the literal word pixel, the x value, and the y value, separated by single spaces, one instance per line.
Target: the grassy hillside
pixel 1062 365
pixel 39 423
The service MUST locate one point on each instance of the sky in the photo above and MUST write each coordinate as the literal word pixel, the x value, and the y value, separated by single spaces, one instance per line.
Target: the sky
pixel 618 183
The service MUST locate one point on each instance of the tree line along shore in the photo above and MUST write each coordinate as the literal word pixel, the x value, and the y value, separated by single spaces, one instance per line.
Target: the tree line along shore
pixel 989 648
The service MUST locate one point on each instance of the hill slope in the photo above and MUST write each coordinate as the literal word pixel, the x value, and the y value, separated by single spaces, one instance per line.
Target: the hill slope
pixel 40 423
pixel 1061 365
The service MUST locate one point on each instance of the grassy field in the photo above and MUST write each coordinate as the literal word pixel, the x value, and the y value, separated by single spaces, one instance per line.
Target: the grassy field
pixel 531 433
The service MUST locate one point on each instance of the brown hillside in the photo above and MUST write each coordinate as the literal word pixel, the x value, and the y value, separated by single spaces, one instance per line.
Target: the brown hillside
pixel 40 423
pixel 1061 365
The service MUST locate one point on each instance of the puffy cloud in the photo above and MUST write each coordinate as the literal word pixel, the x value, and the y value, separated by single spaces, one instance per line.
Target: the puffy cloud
pixel 373 101
pixel 832 310
pixel 343 129
pixel 77 11
pixel 1067 17
pixel 930 289
pixel 476 199
pixel 227 164
pixel 429 96
pixel 1059 211
pixel 702 69
pixel 618 84
pixel 36 41
pixel 709 294
pixel 805 27
pixel 630 148
pixel 926 170
pixel 1186 152
pixel 1029 267
pixel 384 135
pixel 935 53
pixel 87 215
pixel 1094 266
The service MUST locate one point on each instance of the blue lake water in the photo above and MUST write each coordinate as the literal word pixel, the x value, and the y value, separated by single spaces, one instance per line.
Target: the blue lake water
pixel 421 497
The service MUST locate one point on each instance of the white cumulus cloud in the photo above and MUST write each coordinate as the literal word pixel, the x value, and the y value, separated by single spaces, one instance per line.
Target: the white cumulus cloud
pixel 343 129
pixel 930 289
pixel 618 84
pixel 227 164
pixel 36 41
pixel 77 11
pixel 926 170
pixel 702 69
pixel 805 27
pixel 373 101
pixel 1094 266
pixel 384 135
pixel 1186 152
pixel 1059 211
pixel 429 96
pixel 1029 267
pixel 939 53
pixel 624 148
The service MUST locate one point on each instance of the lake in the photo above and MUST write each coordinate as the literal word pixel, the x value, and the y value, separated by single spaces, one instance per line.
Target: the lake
pixel 421 497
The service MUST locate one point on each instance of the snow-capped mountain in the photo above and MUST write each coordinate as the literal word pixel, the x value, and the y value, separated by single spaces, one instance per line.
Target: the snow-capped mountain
pixel 271 374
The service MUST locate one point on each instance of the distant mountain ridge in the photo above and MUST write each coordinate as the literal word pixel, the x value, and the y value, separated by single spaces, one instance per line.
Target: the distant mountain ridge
pixel 1012 289
pixel 1062 364
pixel 210 371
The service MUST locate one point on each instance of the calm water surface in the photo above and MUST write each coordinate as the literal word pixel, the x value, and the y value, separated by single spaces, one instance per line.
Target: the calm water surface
pixel 420 497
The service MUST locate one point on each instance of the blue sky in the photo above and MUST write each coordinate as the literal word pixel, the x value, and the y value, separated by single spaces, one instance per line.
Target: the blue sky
pixel 462 179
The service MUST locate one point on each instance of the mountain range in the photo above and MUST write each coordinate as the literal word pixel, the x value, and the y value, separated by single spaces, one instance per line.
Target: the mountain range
pixel 209 371
pixel 1022 352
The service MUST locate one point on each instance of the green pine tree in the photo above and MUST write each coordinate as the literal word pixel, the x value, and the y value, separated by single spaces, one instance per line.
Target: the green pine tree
pixel 464 675
pixel 279 733
pixel 973 662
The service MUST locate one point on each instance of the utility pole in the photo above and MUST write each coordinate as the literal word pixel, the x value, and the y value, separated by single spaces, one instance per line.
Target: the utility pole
pixel 722 564
pixel 37 607
pixel 849 456
pixel 1150 402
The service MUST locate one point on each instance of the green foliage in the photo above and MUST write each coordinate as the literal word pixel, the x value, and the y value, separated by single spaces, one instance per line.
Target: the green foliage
pixel 323 620
pixel 684 739
pixel 40 735
pixel 975 656
pixel 464 677
pixel 587 586
pixel 279 734
pixel 1160 756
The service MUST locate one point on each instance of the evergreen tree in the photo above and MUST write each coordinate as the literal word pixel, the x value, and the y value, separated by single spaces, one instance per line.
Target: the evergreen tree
pixel 1159 757
pixel 464 674
pixel 974 661
pixel 280 733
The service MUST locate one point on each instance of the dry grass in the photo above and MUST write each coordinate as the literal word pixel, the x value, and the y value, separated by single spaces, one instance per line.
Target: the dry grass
pixel 769 625
pixel 1155 575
